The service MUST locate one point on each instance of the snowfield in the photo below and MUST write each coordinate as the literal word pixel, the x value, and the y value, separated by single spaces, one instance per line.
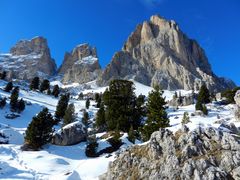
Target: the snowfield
pixel 70 162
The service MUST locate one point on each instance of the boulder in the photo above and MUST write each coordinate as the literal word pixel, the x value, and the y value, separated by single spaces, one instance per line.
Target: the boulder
pixel 205 153
pixel 70 134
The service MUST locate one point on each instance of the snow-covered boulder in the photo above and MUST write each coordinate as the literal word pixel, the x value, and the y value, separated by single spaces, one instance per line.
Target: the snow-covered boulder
pixel 70 134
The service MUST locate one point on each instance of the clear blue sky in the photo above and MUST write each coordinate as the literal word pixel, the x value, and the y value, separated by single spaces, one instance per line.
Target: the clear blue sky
pixel 106 24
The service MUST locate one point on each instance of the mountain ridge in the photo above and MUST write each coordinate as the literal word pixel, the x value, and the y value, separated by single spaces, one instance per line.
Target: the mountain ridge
pixel 156 52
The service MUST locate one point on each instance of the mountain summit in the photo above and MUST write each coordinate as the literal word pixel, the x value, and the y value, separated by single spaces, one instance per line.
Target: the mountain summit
pixel 158 52
pixel 81 65
pixel 27 59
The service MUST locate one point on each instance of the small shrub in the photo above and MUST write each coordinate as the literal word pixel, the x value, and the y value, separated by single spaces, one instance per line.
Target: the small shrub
pixel 91 149
pixel 2 103
pixel 186 118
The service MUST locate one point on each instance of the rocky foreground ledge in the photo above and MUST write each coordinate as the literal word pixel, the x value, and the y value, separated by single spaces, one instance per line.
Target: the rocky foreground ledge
pixel 205 153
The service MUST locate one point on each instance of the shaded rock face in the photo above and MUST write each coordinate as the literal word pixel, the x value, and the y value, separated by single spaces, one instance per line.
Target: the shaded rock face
pixel 27 59
pixel 158 52
pixel 70 134
pixel 201 154
pixel 81 65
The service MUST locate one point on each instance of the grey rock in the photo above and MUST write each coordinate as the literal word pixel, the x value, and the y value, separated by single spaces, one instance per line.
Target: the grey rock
pixel 237 109
pixel 182 101
pixel 70 134
pixel 27 59
pixel 158 52
pixel 237 98
pixel 205 153
pixel 81 65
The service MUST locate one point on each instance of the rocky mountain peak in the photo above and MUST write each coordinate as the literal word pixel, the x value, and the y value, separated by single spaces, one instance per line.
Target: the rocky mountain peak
pixel 165 56
pixel 84 50
pixel 37 45
pixel 27 59
pixel 80 65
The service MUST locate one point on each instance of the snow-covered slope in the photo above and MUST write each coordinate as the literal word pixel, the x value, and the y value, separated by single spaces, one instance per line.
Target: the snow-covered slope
pixel 70 162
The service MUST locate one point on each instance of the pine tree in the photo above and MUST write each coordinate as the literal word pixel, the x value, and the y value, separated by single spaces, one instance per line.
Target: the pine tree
pixel 98 99
pixel 39 130
pixel 205 110
pixel 35 83
pixel 80 97
pixel 204 95
pixel 21 105
pixel 2 102
pixel 100 119
pixel 69 116
pixel 186 118
pixel 199 106
pixel 87 103
pixel 91 149
pixel 55 91
pixel 3 75
pixel 156 115
pixel 203 98
pixel 85 118
pixel 45 85
pixel 8 87
pixel 49 91
pixel 14 99
pixel 131 135
pixel 120 102
pixel 62 106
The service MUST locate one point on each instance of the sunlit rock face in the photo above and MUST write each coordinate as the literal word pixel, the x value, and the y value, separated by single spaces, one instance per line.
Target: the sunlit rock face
pixel 81 65
pixel 158 52
pixel 27 59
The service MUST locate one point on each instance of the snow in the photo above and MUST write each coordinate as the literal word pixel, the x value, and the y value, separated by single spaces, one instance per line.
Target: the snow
pixel 9 61
pixel 87 60
pixel 70 162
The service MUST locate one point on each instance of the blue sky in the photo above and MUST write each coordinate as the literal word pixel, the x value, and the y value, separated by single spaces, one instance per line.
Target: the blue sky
pixel 106 24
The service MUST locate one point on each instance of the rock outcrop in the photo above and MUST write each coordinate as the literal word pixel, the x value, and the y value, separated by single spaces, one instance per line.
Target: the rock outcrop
pixel 201 154
pixel 27 59
pixel 183 100
pixel 81 65
pixel 158 52
pixel 237 100
pixel 70 134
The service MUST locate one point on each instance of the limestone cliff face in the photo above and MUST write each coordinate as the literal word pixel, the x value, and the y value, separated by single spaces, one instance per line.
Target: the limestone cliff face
pixel 158 52
pixel 27 59
pixel 200 154
pixel 81 65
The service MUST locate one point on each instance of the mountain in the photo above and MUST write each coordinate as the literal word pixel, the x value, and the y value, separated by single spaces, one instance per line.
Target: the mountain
pixel 81 65
pixel 27 59
pixel 158 52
